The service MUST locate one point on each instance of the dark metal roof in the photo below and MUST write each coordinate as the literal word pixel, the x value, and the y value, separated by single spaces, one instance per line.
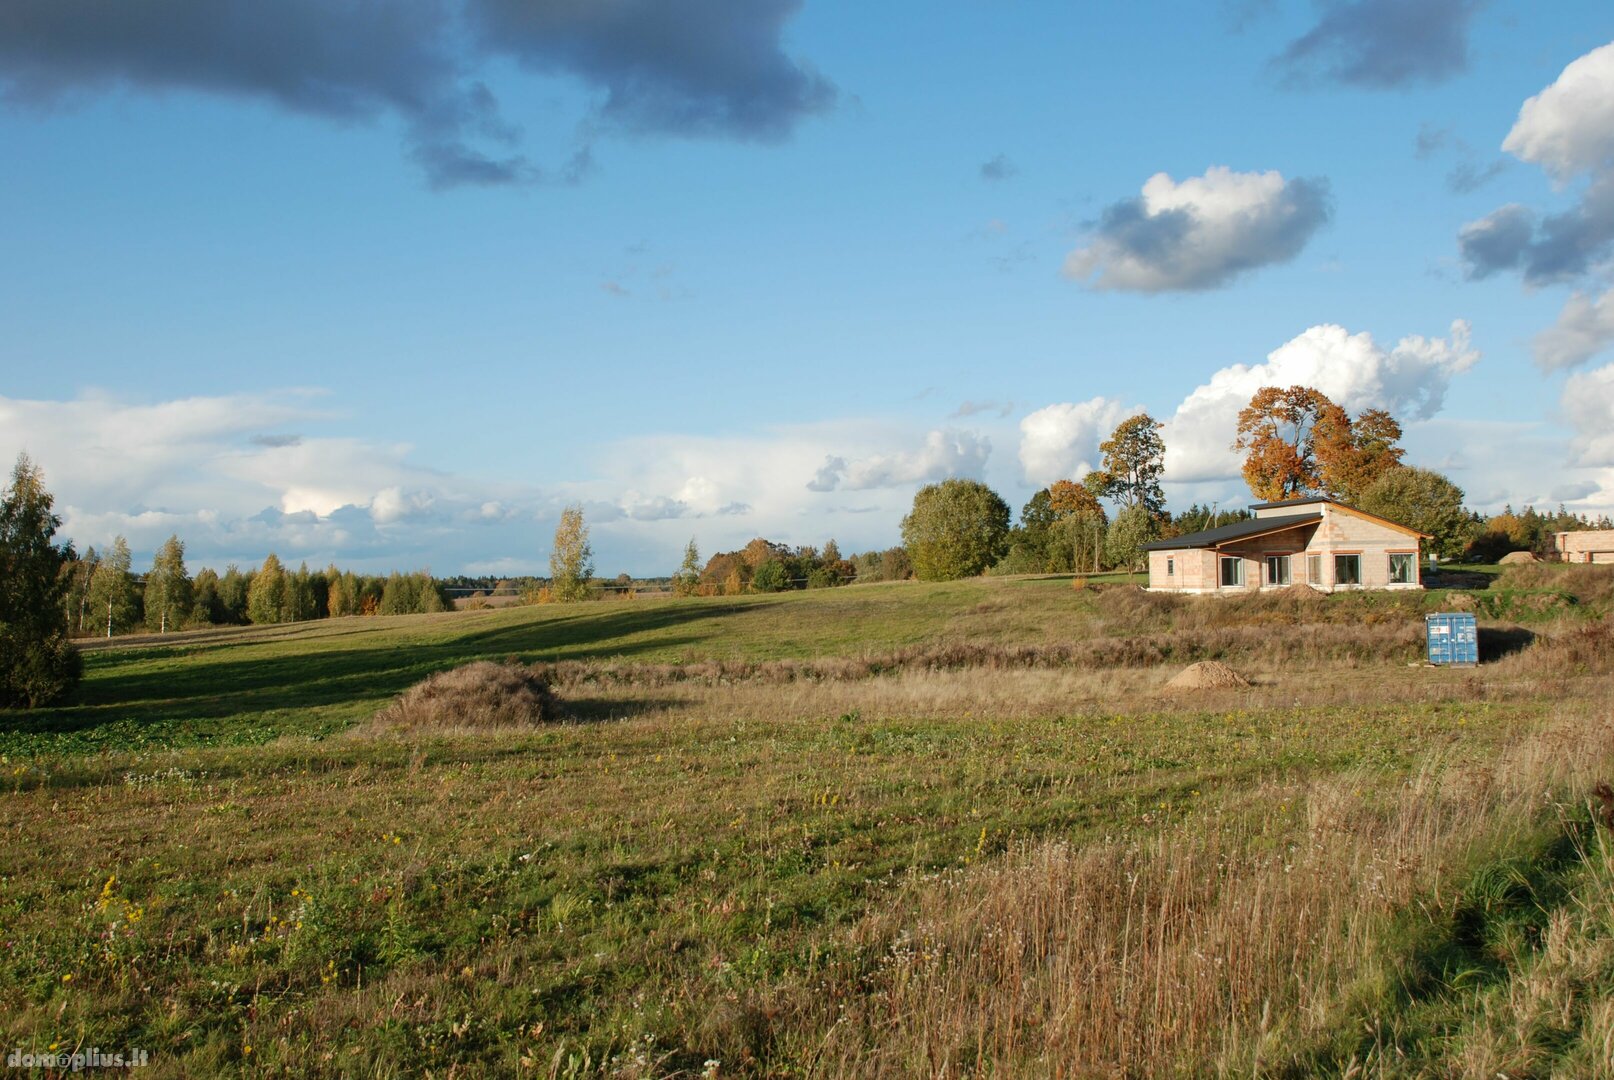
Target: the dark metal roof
pixel 1237 531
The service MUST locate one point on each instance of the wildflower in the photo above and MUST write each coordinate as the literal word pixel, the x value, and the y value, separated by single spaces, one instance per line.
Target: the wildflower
pixel 67 978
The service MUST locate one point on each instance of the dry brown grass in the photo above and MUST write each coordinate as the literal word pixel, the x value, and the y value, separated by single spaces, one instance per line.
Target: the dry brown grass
pixel 1345 644
pixel 1227 945
pixel 477 695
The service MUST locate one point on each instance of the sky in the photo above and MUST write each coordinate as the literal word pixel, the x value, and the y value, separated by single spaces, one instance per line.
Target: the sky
pixel 389 285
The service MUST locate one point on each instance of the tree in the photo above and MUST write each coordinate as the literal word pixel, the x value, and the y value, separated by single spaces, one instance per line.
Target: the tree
pixel 77 601
pixel 1134 459
pixel 1131 529
pixel 957 528
pixel 770 577
pixel 37 661
pixel 1277 431
pixel 169 596
pixel 206 607
pixel 571 563
pixel 1352 454
pixel 234 587
pixel 688 577
pixel 266 595
pixel 1424 500
pixel 112 591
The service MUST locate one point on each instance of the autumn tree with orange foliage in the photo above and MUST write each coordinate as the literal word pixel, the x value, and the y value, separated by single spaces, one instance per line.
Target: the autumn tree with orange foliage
pixel 1299 442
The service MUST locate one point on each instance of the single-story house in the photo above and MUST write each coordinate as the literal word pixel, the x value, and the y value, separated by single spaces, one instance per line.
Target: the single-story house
pixel 1312 541
pixel 1586 546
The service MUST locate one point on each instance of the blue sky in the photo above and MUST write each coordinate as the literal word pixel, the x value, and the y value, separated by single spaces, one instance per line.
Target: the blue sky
pixel 392 290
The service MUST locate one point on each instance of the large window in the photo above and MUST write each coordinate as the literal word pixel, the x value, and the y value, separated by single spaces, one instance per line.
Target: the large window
pixel 1314 569
pixel 1347 569
pixel 1232 572
pixel 1278 570
pixel 1403 568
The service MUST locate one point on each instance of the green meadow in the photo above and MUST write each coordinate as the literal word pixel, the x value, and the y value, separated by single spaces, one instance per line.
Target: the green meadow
pixel 906 829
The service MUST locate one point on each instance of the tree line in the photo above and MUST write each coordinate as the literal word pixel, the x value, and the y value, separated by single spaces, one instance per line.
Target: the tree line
pixel 102 596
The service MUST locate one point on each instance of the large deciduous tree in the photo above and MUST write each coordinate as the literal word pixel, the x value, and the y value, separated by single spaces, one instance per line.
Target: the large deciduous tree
pixel 1277 431
pixel 956 529
pixel 37 662
pixel 1352 454
pixel 571 562
pixel 1299 442
pixel 1134 459
pixel 169 597
pixel 1424 500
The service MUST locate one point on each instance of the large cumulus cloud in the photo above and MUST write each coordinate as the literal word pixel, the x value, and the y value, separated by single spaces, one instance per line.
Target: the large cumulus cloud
pixel 1060 441
pixel 1200 233
pixel 1409 379
pixel 678 67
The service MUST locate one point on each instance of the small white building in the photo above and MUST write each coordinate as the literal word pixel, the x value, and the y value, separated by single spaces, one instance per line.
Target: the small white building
pixel 1312 541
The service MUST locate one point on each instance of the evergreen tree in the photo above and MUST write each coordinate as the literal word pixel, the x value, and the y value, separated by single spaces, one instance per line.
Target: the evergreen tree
pixel 206 608
pixel 234 587
pixel 169 597
pixel 37 662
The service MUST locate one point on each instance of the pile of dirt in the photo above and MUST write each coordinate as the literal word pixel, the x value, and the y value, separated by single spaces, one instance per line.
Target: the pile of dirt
pixel 1207 675
pixel 1514 558
pixel 481 694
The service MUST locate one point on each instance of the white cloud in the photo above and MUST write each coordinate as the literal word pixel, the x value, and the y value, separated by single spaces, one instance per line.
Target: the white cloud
pixel 203 467
pixel 1200 233
pixel 1060 442
pixel 1568 128
pixel 1409 380
pixel 1585 327
pixel 944 453
pixel 1588 404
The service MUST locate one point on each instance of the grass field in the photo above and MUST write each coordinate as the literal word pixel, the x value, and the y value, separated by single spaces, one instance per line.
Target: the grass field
pixel 909 829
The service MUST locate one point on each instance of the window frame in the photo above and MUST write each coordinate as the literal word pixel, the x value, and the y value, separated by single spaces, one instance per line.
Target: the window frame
pixel 1288 567
pixel 1221 571
pixel 1339 579
pixel 1314 568
pixel 1412 567
pixel 1171 566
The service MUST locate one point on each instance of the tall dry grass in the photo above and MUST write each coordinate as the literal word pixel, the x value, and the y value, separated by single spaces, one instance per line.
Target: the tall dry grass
pixel 480 694
pixel 1237 945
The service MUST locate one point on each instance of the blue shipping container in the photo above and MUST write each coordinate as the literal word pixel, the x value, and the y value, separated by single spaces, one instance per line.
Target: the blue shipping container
pixel 1453 638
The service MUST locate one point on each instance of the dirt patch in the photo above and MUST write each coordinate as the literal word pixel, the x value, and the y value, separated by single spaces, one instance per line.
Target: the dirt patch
pixel 479 695
pixel 1207 675
pixel 1514 558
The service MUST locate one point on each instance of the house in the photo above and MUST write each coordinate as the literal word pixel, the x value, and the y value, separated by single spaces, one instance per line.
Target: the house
pixel 1312 541
pixel 1586 546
